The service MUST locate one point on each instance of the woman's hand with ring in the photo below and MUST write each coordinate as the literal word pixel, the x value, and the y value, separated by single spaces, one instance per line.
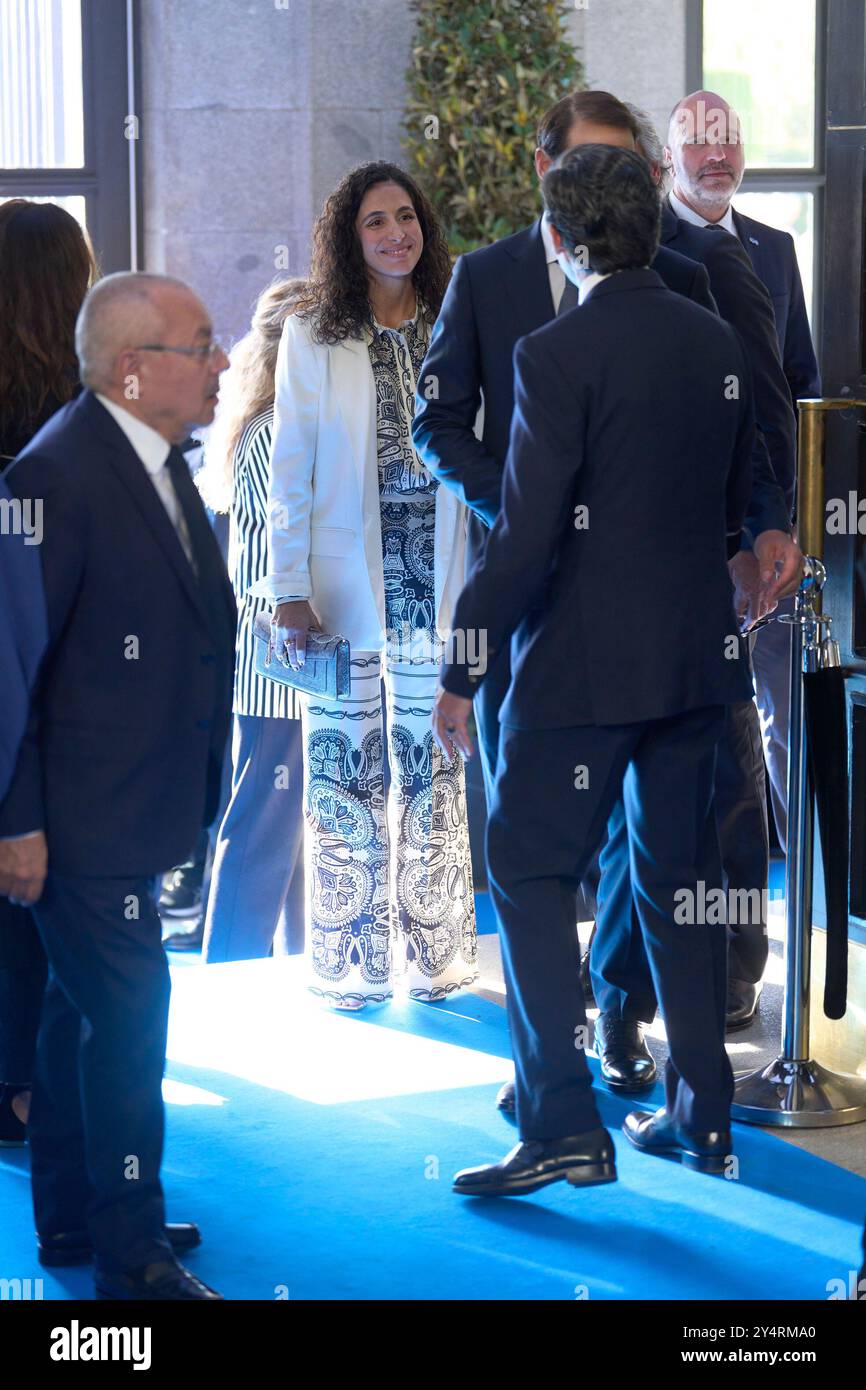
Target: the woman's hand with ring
pixel 289 627
pixel 450 722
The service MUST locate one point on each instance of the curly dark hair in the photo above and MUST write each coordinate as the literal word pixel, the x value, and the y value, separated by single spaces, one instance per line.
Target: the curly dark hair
pixel 337 300
pixel 46 269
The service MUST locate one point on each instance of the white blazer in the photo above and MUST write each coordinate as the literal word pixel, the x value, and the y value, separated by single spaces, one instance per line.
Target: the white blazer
pixel 324 519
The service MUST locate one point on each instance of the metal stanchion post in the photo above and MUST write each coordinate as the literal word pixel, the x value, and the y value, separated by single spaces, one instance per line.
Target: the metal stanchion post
pixel 794 1090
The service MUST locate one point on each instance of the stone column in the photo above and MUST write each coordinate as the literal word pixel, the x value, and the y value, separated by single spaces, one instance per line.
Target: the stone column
pixel 251 111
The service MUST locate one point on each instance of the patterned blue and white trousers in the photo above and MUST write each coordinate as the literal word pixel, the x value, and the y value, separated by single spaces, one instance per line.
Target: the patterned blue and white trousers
pixel 389 877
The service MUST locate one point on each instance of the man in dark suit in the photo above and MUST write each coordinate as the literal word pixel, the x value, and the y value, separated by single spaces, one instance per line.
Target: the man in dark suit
pixel 707 155
pixel 23 630
pixel 23 635
pixel 620 971
pixel 119 768
pixel 626 441
pixel 495 294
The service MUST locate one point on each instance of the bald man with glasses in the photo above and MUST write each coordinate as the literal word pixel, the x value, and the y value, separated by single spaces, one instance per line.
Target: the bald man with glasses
pixel 119 768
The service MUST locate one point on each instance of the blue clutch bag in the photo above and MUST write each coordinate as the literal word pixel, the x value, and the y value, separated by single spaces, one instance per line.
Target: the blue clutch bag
pixel 325 670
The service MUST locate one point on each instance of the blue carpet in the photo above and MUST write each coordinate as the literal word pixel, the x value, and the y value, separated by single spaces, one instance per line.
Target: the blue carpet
pixel 316 1151
pixel 485 917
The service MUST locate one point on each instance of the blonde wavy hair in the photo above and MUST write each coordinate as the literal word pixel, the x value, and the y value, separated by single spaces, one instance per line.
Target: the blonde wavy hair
pixel 246 389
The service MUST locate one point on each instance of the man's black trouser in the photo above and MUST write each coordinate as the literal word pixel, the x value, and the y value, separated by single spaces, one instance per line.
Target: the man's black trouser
pixel 97 1117
pixel 542 831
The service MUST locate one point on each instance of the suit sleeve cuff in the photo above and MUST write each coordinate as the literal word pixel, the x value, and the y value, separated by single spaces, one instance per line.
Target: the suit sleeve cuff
pixel 457 680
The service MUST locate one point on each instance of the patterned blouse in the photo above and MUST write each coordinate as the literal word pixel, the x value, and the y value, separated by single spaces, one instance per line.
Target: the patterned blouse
pixel 396 356
pixel 406 489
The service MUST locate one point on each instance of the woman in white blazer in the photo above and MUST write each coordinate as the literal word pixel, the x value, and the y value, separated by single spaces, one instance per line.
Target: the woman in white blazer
pixel 364 543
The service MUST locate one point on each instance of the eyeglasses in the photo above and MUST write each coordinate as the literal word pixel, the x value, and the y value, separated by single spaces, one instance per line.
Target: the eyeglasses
pixel 204 354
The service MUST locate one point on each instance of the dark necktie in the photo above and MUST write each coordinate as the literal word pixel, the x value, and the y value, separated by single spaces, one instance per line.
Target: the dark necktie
pixel 569 298
pixel 208 564
pixel 198 530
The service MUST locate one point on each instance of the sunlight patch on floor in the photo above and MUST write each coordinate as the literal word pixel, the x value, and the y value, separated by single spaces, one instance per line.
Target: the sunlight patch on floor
pixel 257 1021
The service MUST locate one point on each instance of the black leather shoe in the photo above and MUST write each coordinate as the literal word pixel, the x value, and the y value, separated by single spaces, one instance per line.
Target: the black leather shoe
pixel 654 1133
pixel 583 1160
pixel 626 1061
pixel 165 1280
pixel 181 893
pixel 586 980
pixel 190 940
pixel 75 1248
pixel 742 1005
pixel 505 1098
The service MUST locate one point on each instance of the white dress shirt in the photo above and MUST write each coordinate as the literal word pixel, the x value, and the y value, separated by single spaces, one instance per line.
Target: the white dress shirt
pixel 697 220
pixel 555 272
pixel 153 451
pixel 589 282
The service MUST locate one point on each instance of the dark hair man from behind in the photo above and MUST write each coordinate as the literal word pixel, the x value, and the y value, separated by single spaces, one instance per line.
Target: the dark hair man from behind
pixel 604 205
pixel 624 441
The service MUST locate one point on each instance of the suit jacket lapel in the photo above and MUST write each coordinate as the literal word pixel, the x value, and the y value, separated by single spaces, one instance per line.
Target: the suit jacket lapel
pixel 528 292
pixel 669 223
pixel 134 476
pixel 750 241
pixel 353 382
pixel 212 580
pixel 356 393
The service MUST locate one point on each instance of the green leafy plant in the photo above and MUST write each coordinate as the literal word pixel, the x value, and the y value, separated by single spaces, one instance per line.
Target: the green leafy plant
pixel 481 76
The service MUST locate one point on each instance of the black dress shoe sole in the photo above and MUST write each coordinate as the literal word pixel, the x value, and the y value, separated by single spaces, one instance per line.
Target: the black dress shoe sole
pixel 583 1175
pixel 737 1024
pixel 699 1163
pixel 630 1088
pixel 72 1255
pixel 103 1296
pixel 83 1254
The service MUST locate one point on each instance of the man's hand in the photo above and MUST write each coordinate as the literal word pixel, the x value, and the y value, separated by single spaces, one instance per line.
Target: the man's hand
pixel 749 600
pixel 450 721
pixel 289 627
pixel 23 866
pixel 781 563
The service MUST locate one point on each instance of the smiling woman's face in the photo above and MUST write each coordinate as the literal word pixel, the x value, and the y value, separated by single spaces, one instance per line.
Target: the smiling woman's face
pixel 389 231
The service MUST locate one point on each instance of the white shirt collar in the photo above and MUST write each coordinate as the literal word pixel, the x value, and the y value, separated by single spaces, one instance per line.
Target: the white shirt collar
pixel 689 215
pixel 547 238
pixel 148 443
pixel 589 282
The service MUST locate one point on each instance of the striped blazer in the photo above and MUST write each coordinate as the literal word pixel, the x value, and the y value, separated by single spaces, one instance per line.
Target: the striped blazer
pixel 248 562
